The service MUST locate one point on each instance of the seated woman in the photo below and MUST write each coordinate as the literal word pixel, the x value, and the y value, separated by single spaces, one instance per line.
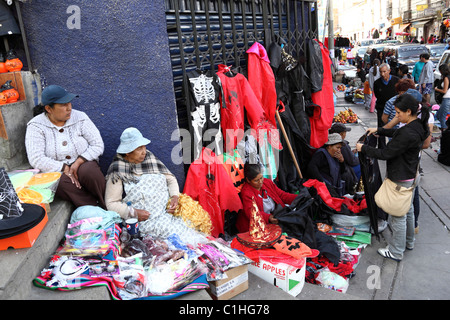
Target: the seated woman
pixel 61 139
pixel 138 185
pixel 265 193
pixel 327 165
pixel 350 157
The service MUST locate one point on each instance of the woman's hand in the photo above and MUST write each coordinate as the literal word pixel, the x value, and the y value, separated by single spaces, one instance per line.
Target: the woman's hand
pixel 338 155
pixel 142 215
pixel 173 204
pixel 371 131
pixel 68 171
pixel 359 146
pixel 272 219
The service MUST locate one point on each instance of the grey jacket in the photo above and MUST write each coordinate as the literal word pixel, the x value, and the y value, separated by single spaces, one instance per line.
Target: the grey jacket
pixel 427 74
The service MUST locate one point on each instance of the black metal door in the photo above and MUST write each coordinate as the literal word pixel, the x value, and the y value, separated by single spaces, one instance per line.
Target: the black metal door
pixel 206 33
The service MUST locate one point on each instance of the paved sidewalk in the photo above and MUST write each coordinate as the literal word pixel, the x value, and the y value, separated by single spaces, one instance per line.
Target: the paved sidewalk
pixel 424 272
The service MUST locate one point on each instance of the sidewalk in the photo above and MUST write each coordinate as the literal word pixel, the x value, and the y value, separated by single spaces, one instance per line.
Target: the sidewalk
pixel 424 272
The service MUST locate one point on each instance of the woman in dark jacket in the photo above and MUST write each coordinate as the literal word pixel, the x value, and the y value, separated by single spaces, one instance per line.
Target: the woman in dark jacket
pixel 328 166
pixel 402 155
pixel 266 194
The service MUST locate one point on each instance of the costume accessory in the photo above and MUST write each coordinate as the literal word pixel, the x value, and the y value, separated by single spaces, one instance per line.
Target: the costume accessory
pixel 334 138
pixel 130 140
pixel 56 94
pixel 260 234
pixel 387 254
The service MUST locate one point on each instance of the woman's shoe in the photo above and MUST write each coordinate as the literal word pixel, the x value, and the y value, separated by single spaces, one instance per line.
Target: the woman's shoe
pixel 387 254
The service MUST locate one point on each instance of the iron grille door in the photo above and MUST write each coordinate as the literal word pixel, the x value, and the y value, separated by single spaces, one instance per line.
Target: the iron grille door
pixel 206 33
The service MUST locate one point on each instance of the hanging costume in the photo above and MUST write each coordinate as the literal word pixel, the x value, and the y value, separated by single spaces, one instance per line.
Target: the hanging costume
pixel 262 81
pixel 203 105
pixel 234 167
pixel 238 94
pixel 323 116
pixel 208 183
pixel 293 88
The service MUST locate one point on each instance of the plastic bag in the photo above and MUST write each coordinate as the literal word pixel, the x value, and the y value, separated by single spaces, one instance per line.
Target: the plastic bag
pixel 131 280
pixel 84 224
pixel 46 184
pixel 86 243
pixel 218 256
pixel 327 279
pixel 173 276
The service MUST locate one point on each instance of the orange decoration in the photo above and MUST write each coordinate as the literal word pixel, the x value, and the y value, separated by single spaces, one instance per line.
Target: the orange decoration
pixel 42 178
pixel 13 65
pixel 30 196
pixel 3 67
pixel 3 98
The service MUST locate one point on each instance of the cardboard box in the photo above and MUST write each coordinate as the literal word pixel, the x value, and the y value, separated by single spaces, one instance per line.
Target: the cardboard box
pixel 235 283
pixel 286 277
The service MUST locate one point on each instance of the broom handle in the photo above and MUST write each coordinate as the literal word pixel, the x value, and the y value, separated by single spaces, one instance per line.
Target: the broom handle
pixel 288 143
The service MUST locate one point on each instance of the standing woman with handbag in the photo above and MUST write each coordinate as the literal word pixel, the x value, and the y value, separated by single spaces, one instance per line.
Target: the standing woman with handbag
pixel 402 155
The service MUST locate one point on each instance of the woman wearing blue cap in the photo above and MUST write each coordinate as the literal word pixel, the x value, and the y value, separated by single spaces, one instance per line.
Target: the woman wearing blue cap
pixel 61 139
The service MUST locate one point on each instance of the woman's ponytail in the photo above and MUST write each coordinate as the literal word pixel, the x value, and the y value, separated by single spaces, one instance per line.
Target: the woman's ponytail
pixel 38 109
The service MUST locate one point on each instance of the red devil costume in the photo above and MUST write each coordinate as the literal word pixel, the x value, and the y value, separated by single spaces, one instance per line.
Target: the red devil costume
pixel 208 183
pixel 239 95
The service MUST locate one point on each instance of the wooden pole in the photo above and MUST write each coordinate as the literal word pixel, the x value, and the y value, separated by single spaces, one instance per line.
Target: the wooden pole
pixel 288 144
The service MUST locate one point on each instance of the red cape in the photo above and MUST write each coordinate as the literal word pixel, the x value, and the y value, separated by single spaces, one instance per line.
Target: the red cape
pixel 321 121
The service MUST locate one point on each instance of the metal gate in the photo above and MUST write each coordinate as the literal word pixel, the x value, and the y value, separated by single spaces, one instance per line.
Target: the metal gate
pixel 206 33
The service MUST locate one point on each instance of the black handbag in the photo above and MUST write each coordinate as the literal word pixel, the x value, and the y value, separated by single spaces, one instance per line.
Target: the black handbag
pixel 438 96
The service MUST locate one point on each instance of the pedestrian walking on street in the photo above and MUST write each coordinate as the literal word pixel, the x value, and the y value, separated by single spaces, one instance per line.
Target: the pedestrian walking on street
pixel 383 89
pixel 417 70
pixel 402 162
pixel 426 78
pixel 374 74
pixel 441 115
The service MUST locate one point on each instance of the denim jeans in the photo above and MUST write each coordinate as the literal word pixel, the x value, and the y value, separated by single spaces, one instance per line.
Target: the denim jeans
pixel 441 114
pixel 402 229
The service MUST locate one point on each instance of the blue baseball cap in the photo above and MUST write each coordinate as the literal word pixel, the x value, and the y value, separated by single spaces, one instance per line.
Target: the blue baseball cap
pixel 130 140
pixel 56 94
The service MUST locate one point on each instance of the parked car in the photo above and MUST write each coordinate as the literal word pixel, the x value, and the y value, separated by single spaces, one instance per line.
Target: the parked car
pixel 444 59
pixel 407 53
pixel 378 47
pixel 359 51
pixel 436 51
pixel 367 42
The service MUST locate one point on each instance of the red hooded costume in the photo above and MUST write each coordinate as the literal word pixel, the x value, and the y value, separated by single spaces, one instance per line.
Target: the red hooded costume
pixel 208 183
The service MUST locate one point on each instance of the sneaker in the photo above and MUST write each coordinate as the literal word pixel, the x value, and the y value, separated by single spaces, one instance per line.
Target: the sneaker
pixel 387 254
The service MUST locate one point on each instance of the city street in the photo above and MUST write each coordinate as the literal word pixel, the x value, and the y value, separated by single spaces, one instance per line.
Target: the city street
pixel 423 273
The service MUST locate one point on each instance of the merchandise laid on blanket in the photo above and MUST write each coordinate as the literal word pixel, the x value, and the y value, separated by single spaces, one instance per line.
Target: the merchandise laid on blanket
pixel 318 233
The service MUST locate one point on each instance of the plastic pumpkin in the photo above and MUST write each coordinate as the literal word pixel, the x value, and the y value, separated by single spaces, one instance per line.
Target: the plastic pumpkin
pixel 2 64
pixel 3 98
pixel 12 62
pixel 12 95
